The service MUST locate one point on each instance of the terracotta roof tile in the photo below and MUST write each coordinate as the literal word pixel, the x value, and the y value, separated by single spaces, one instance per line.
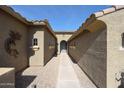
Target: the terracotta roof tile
pixel 99 14
pixel 118 7
pixel 109 10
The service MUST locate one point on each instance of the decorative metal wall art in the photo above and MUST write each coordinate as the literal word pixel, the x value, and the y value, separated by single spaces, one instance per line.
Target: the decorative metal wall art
pixel 10 43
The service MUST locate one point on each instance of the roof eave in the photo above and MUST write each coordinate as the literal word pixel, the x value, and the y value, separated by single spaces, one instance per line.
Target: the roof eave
pixel 10 11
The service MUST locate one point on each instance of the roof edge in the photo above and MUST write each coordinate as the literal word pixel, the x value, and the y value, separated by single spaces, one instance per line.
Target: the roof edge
pixel 15 14
pixel 109 10
pixel 64 32
pixel 93 17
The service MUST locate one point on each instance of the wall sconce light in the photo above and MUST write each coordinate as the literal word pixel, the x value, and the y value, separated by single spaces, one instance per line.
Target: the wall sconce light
pixel 51 46
pixel 73 46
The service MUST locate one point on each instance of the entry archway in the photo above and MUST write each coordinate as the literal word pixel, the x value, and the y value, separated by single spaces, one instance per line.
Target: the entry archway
pixel 63 45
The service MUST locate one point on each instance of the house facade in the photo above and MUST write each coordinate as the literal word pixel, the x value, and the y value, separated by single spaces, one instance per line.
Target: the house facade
pixel 24 43
pixel 62 38
pixel 97 46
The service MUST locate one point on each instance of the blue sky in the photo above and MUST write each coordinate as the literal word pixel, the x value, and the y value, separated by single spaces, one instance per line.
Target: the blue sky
pixel 60 17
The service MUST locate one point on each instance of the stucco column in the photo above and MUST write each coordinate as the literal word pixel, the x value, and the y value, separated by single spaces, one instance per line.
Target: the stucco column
pixel 58 47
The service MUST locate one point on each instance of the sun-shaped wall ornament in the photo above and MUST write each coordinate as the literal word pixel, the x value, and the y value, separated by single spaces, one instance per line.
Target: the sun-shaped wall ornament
pixel 10 43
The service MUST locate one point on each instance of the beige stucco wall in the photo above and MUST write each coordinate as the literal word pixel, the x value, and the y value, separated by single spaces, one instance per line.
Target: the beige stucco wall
pixel 61 37
pixel 45 52
pixel 90 54
pixel 36 58
pixel 115 54
pixel 49 46
pixel 26 55
pixel 8 23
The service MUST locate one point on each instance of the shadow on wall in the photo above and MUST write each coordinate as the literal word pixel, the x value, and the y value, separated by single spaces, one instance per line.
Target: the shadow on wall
pixel 91 57
pixel 90 52
pixel 73 60
pixel 5 64
pixel 30 51
pixel 54 55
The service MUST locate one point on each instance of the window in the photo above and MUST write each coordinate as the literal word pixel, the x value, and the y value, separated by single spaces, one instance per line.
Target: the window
pixel 35 42
pixel 122 40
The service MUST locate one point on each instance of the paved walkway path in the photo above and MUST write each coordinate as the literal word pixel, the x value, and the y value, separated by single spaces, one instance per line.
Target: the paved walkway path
pixel 67 77
pixel 60 72
pixel 42 77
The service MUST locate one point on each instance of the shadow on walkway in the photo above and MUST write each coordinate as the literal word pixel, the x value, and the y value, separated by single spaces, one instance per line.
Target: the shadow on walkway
pixel 59 72
pixel 23 81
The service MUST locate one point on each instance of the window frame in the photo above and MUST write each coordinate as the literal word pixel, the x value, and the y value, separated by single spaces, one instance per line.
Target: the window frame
pixel 34 42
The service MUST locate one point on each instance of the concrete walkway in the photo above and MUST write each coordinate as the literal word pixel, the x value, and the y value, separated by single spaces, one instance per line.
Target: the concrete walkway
pixel 67 77
pixel 60 72
pixel 42 77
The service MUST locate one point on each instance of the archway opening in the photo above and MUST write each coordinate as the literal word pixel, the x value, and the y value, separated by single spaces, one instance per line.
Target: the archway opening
pixel 63 46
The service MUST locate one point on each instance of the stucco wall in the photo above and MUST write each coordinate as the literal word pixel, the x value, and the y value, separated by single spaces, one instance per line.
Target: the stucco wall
pixel 61 37
pixel 115 52
pixel 90 55
pixel 49 46
pixel 36 58
pixel 8 23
